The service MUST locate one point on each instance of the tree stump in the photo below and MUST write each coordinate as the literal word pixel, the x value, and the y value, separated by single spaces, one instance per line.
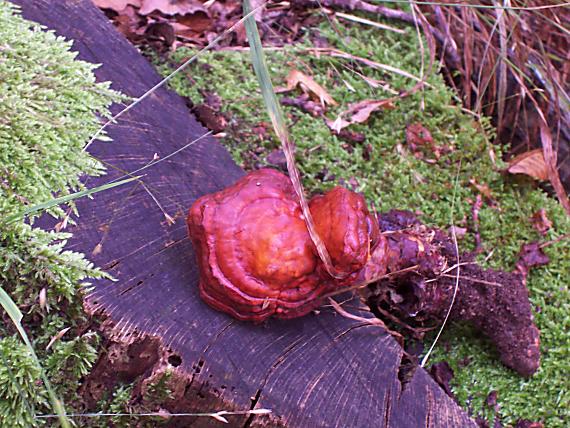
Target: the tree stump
pixel 319 370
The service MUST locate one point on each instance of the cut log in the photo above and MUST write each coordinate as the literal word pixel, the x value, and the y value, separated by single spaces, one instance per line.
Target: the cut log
pixel 319 370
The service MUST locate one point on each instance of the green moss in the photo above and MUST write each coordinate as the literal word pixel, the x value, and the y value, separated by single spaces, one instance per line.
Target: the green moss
pixel 394 178
pixel 49 107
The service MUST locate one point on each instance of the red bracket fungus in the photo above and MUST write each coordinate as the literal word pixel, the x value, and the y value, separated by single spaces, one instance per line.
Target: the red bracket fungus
pixel 257 260
pixel 256 256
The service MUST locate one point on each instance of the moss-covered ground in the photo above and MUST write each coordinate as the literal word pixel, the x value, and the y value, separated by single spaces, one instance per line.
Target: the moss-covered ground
pixel 390 176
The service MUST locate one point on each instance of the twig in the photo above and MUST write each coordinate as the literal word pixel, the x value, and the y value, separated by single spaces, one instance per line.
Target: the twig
pixel 369 321
pixel 163 414
pixel 475 213
pixel 454 236
pixel 369 22
pixel 554 241
pixel 398 321
pixel 365 283
pixel 468 278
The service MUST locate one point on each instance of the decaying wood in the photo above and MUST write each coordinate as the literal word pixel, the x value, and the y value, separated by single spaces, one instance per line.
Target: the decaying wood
pixel 314 371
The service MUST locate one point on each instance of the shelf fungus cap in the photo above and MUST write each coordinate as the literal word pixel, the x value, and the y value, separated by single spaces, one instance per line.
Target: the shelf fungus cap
pixel 346 227
pixel 255 255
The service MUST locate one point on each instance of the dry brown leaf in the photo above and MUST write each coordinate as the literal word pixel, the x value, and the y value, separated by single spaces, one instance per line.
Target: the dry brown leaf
pixel 195 23
pixel 171 7
pixel 116 5
pixel 540 221
pixel 483 188
pixel 57 337
pixel 128 23
pixel 307 84
pixel 359 113
pixel 550 161
pixel 529 163
pixel 97 250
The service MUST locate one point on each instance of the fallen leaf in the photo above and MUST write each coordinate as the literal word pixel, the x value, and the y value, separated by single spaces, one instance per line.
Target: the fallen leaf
pixel 192 24
pixel 304 103
pixel 531 255
pixel 358 113
pixel 550 161
pixel 210 118
pixel 171 7
pixel 540 221
pixel 529 163
pixel 362 111
pixel 351 136
pixel 128 24
pixel 297 78
pixel 421 143
pixel 277 158
pixel 418 135
pixel 161 34
pixel 116 5
pixel 484 189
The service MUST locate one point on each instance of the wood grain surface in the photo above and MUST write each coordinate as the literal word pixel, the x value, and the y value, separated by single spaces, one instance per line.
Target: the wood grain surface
pixel 321 370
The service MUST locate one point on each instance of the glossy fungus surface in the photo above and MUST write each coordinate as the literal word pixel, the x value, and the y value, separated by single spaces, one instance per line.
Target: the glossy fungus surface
pixel 255 254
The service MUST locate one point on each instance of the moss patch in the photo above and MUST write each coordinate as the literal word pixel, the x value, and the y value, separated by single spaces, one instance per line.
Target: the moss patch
pixel 49 107
pixel 391 177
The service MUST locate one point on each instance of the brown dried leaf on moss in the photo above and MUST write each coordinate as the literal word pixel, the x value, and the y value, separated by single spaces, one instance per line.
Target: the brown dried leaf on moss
pixel 309 86
pixel 531 255
pixel 305 104
pixel 116 5
pixel 171 7
pixel 541 222
pixel 422 144
pixel 358 112
pixel 530 163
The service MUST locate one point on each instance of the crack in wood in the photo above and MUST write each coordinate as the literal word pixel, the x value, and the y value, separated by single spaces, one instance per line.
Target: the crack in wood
pixel 387 409
pixel 254 401
pixel 406 370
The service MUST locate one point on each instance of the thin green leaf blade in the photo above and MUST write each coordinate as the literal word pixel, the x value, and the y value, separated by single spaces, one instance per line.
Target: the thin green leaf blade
pixel 278 121
pixel 64 199
pixel 16 316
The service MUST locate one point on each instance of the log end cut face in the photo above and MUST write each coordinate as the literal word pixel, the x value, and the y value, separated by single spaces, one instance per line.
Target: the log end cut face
pixel 255 255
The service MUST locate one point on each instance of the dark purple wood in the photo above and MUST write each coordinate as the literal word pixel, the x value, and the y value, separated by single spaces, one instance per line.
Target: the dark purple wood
pixel 313 371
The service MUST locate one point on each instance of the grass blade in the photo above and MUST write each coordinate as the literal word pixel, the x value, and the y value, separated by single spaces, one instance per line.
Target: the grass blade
pixel 278 122
pixel 64 199
pixel 16 317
